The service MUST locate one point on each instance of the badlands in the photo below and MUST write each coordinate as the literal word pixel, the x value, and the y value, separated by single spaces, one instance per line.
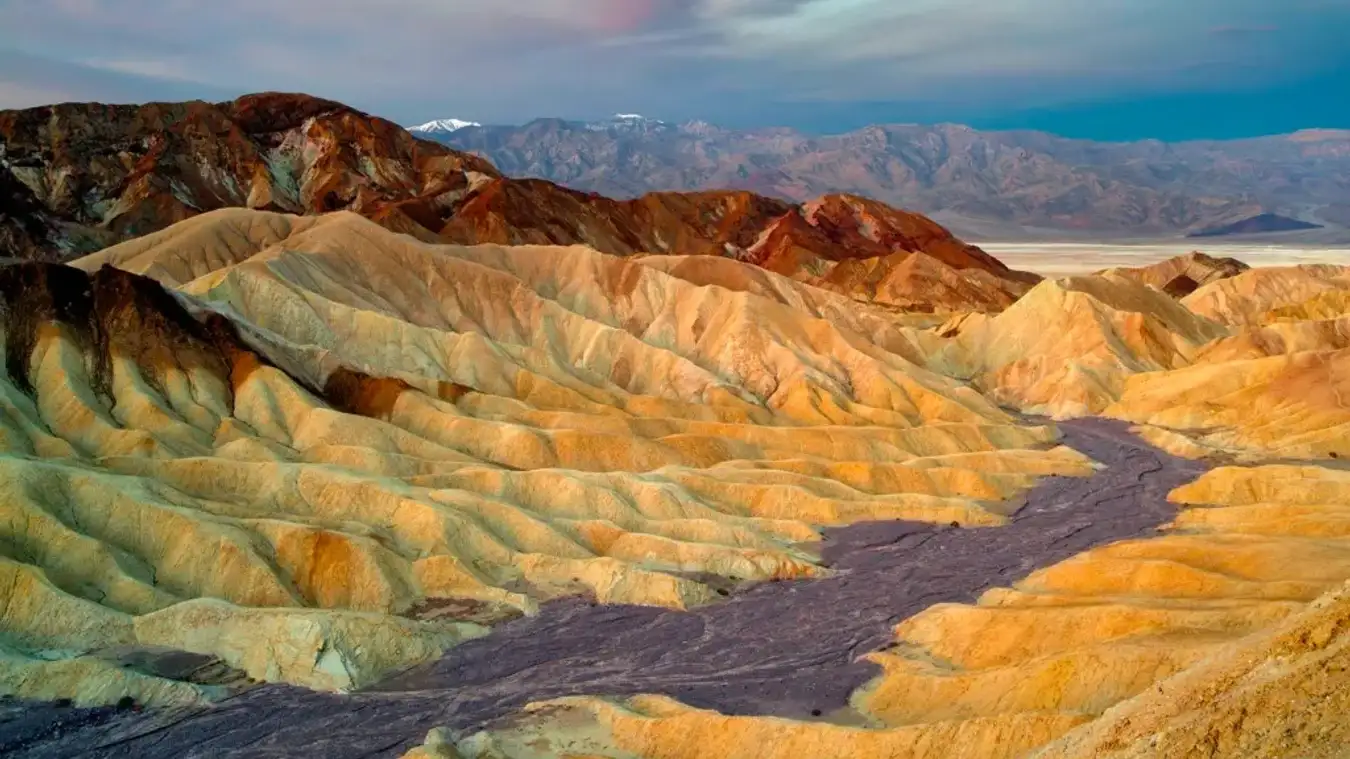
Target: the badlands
pixel 307 481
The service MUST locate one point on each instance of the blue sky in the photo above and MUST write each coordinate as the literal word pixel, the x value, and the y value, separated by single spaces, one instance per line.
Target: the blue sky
pixel 1107 69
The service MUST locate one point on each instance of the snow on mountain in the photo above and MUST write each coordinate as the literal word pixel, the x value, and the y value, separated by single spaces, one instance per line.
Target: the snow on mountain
pixel 627 122
pixel 443 126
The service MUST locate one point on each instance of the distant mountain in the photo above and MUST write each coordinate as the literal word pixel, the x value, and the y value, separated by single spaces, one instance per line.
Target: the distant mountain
pixel 1259 224
pixel 1004 181
pixel 77 177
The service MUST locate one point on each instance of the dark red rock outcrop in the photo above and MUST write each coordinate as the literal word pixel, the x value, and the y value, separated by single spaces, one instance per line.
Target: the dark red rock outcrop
pixel 85 175
pixel 78 177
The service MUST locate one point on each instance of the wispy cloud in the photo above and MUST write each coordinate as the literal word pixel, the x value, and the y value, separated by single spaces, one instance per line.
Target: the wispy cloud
pixel 506 61
pixel 163 68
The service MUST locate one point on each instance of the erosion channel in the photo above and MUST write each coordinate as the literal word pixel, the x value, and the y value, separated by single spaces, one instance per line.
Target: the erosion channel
pixel 789 649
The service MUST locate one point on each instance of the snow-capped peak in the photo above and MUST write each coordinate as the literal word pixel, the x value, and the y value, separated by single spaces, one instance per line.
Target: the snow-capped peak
pixel 627 122
pixel 443 125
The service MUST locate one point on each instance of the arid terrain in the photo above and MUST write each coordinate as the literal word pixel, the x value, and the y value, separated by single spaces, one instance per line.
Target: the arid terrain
pixel 347 445
pixel 1059 259
pixel 1002 182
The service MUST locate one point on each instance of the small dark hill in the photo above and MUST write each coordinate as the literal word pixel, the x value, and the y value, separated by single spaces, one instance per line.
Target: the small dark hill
pixel 1261 223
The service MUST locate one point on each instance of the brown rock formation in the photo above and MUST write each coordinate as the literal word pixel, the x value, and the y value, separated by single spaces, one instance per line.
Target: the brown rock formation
pixel 794 241
pixel 87 175
pixel 78 177
pixel 1182 275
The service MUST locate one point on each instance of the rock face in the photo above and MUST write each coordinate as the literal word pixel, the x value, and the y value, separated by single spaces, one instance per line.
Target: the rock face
pixel 79 177
pixel 1183 275
pixel 88 175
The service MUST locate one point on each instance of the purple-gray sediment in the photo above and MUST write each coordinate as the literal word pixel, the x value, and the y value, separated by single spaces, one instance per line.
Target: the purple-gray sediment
pixel 787 649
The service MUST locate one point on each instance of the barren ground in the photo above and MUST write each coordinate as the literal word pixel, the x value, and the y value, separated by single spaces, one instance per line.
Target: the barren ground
pixel 789 648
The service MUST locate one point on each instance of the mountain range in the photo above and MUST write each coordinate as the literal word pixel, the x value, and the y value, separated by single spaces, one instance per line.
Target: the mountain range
pixel 984 185
pixel 79 177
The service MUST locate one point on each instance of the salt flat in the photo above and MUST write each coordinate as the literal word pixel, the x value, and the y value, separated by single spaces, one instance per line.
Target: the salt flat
pixel 1057 259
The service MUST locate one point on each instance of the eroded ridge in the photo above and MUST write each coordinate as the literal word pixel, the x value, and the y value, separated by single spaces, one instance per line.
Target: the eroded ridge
pixel 789 649
pixel 1222 635
pixel 315 452
pixel 321 452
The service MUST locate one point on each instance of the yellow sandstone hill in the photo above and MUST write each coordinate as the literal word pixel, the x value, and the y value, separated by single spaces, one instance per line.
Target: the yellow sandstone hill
pixel 293 444
pixel 1251 366
pixel 1275 386
pixel 1066 348
pixel 1224 635
pixel 1262 295
pixel 315 451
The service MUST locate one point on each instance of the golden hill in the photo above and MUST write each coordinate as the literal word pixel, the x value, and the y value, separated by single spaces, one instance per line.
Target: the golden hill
pixel 1224 634
pixel 318 452
pixel 284 442
pixel 1269 294
pixel 1065 348
pixel 1249 365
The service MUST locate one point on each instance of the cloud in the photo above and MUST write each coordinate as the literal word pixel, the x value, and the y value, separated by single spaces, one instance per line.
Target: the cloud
pixel 508 61
pixel 162 69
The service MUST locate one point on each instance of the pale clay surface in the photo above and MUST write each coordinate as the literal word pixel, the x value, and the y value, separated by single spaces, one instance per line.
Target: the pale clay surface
pixel 625 428
pixel 571 423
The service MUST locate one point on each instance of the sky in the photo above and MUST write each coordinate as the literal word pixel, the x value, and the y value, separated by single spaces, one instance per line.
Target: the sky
pixel 1101 69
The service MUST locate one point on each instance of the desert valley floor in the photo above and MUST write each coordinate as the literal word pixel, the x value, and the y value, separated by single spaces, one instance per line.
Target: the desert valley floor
pixel 1063 259
pixel 320 440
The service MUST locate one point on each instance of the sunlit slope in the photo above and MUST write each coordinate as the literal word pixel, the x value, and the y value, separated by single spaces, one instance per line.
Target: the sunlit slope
pixel 1275 385
pixel 1251 366
pixel 339 450
pixel 1067 347
pixel 1289 405
pixel 1224 632
pixel 1269 294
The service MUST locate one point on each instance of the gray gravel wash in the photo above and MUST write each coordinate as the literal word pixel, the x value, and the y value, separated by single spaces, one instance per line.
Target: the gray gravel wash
pixel 788 649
